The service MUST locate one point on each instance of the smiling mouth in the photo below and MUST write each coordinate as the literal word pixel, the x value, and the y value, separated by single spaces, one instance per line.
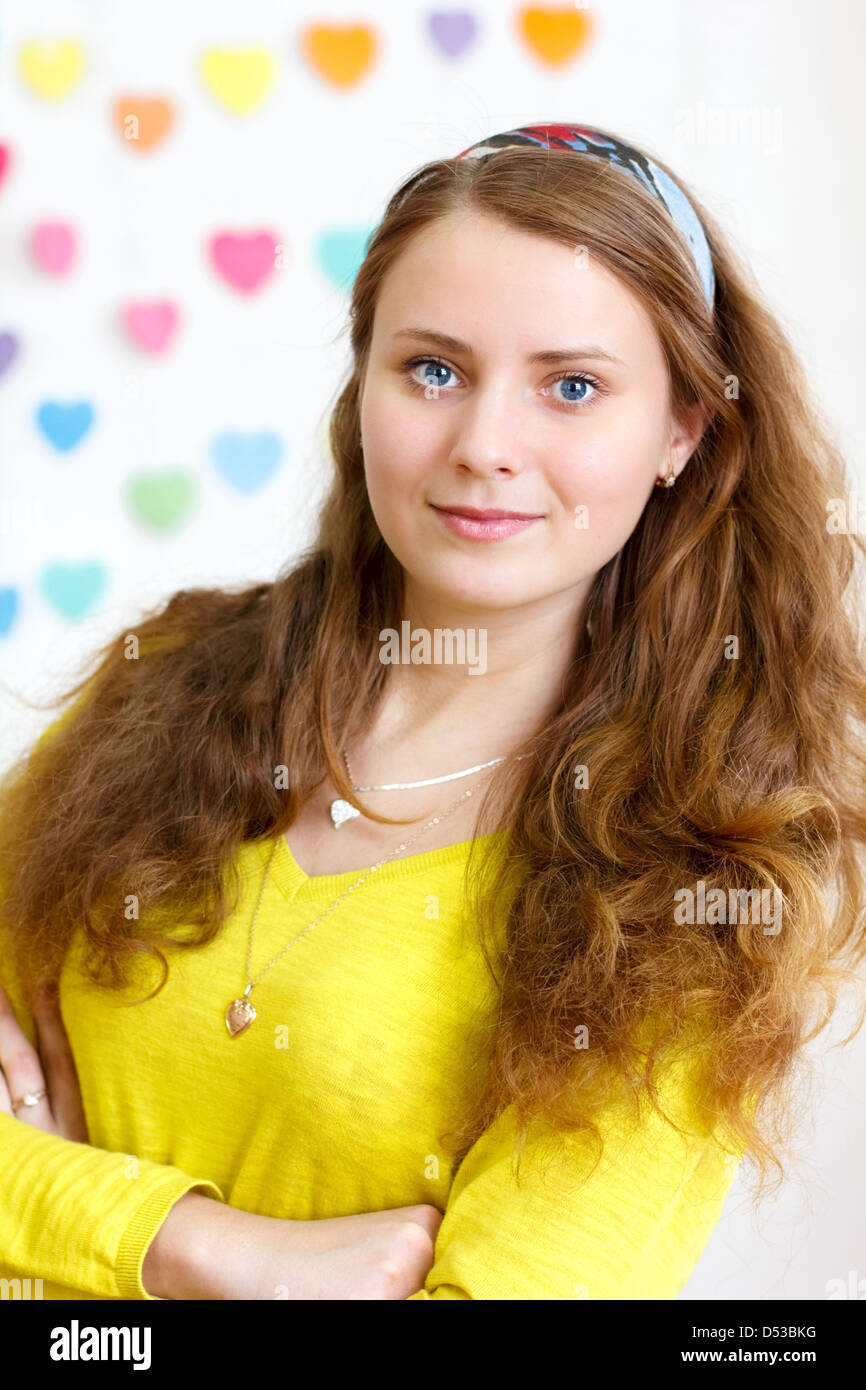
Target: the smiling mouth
pixel 487 514
pixel 490 525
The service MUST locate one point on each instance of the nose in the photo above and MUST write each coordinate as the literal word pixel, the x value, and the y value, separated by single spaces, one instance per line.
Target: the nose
pixel 488 441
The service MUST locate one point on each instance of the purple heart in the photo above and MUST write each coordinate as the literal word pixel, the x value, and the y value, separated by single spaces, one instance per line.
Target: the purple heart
pixel 8 350
pixel 452 31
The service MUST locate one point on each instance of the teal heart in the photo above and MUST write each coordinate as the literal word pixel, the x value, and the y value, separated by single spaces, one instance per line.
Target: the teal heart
pixel 8 610
pixel 246 461
pixel 162 499
pixel 340 252
pixel 64 426
pixel 73 589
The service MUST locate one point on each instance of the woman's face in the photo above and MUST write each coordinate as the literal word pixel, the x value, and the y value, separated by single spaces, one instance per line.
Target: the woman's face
pixel 549 398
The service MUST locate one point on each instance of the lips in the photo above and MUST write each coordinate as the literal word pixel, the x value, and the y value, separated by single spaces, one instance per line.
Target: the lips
pixel 492 524
pixel 491 514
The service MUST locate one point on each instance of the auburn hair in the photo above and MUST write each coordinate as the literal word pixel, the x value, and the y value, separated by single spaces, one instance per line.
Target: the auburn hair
pixel 716 697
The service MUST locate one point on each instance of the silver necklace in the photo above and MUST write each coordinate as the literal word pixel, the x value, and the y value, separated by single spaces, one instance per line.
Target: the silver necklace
pixel 341 810
pixel 240 1013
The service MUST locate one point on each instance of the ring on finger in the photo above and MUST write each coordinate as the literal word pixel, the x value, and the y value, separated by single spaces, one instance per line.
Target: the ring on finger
pixel 28 1098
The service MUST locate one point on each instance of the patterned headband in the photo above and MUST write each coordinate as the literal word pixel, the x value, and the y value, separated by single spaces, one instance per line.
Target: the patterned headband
pixel 585 140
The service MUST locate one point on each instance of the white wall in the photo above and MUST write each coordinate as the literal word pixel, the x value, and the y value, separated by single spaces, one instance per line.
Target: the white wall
pixel 314 158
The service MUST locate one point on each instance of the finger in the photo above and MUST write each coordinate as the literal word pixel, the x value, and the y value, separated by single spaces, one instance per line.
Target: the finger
pixel 58 1065
pixel 22 1070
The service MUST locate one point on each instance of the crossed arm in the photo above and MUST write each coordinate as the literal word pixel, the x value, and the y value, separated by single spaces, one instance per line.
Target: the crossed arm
pixel 203 1247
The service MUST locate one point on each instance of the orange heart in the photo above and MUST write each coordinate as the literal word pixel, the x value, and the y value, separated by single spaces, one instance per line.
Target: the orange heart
pixel 340 52
pixel 143 122
pixel 555 34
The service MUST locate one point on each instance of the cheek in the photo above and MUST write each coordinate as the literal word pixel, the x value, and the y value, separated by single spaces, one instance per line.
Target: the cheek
pixel 605 489
pixel 397 442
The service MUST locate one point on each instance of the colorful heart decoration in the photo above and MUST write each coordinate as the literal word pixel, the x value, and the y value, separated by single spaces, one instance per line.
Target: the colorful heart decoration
pixel 151 325
pixel 452 31
pixel 73 590
pixel 244 261
pixel 246 461
pixel 5 160
pixel 341 53
pixel 143 122
pixel 340 251
pixel 8 351
pixel 64 425
pixel 54 246
pixel 240 78
pixel 162 499
pixel 555 34
pixel 8 610
pixel 51 68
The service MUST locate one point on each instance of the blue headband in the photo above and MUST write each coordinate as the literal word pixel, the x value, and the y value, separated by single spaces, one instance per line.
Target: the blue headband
pixel 585 140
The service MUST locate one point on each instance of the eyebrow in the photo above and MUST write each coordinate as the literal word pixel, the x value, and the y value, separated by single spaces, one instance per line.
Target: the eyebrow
pixel 549 356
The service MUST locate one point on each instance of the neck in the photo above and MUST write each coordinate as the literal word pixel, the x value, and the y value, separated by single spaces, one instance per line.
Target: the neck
pixel 436 716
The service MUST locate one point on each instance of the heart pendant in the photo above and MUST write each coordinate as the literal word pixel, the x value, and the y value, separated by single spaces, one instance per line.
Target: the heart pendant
pixel 239 1015
pixel 341 811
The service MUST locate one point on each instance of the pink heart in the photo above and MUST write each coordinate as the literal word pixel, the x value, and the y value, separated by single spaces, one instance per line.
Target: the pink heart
pixel 151 325
pixel 244 262
pixel 54 246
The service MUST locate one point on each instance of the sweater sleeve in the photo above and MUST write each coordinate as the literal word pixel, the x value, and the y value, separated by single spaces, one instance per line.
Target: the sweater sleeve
pixel 633 1229
pixel 72 1214
pixel 81 1217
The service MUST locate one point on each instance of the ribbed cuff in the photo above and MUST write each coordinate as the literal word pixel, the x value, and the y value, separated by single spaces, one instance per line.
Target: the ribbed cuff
pixel 143 1227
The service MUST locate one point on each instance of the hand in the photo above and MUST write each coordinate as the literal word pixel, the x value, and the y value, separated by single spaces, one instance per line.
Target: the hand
pixel 52 1069
pixel 205 1249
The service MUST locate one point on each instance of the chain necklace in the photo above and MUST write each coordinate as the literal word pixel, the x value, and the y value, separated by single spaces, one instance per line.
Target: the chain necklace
pixel 240 1013
pixel 341 810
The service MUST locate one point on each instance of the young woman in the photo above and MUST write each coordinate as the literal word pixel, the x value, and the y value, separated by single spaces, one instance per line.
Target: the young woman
pixel 446 918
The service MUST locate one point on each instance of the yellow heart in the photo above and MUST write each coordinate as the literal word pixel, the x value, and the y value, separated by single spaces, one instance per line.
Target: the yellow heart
pixel 239 77
pixel 51 68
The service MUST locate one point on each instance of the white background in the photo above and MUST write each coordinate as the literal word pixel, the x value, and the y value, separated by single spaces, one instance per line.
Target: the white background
pixel 313 157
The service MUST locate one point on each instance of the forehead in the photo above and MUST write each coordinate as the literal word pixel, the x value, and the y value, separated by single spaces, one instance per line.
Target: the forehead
pixel 472 275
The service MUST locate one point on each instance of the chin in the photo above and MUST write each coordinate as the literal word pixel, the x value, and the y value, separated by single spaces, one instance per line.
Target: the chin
pixel 486 593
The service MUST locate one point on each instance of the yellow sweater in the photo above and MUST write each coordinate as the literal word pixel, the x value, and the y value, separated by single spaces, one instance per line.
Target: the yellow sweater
pixel 331 1104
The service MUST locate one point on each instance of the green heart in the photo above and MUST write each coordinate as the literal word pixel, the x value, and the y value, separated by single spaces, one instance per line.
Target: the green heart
pixel 162 500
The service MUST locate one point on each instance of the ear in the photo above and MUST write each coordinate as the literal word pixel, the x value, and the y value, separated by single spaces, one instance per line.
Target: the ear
pixel 686 434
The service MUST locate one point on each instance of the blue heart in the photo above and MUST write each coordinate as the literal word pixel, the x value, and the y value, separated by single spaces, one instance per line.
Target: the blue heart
pixel 246 461
pixel 73 589
pixel 64 425
pixel 8 610
pixel 340 253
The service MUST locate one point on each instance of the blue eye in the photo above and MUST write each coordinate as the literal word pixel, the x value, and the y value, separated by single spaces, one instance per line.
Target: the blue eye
pixel 581 382
pixel 575 398
pixel 432 366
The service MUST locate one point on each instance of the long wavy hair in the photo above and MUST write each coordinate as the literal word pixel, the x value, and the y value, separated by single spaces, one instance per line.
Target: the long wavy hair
pixel 743 768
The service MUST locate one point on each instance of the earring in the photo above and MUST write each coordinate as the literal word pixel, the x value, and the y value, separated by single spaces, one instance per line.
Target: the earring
pixel 670 477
